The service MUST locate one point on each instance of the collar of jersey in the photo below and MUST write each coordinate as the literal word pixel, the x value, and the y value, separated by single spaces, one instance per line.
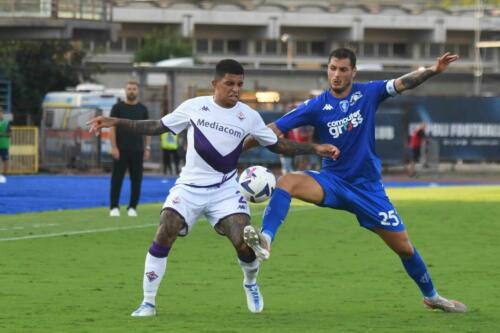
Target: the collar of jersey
pixel 212 100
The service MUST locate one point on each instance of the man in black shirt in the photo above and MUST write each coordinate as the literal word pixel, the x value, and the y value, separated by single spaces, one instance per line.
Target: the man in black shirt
pixel 128 149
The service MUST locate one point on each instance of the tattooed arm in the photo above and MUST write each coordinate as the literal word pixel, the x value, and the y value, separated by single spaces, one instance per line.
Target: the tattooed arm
pixel 414 79
pixel 287 147
pixel 292 148
pixel 142 127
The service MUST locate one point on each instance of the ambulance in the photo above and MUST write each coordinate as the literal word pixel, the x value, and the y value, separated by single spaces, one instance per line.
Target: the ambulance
pixel 64 138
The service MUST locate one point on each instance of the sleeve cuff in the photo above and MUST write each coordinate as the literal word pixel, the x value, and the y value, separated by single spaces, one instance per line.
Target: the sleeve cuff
pixel 390 88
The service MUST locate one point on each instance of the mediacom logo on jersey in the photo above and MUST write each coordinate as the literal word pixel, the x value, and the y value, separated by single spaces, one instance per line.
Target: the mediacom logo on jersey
pixel 219 127
pixel 338 127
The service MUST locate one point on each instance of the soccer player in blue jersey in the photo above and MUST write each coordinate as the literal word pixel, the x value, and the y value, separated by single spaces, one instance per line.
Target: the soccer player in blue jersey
pixel 344 115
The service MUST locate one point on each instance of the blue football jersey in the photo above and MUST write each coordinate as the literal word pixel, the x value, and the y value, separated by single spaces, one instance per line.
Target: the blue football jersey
pixel 349 124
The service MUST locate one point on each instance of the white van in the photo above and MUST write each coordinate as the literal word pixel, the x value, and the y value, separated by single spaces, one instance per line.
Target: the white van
pixel 64 138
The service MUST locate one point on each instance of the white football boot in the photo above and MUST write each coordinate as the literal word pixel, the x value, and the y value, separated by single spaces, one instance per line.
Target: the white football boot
pixel 144 310
pixel 115 212
pixel 257 242
pixel 441 303
pixel 255 301
pixel 132 212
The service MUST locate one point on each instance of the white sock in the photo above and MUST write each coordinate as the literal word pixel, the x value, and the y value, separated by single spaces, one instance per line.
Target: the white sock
pixel 433 298
pixel 267 237
pixel 250 271
pixel 154 269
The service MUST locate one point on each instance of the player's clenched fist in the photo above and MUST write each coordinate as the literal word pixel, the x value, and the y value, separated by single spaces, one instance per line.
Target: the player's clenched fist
pixel 327 150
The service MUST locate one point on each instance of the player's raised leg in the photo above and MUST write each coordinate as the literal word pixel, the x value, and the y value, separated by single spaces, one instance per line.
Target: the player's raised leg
pixel 232 226
pixel 156 260
pixel 297 185
pixel 417 270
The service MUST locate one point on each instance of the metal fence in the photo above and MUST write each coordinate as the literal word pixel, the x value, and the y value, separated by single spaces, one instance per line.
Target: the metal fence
pixel 23 150
pixel 95 10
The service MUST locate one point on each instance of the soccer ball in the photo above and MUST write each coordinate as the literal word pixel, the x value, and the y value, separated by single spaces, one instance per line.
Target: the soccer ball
pixel 257 183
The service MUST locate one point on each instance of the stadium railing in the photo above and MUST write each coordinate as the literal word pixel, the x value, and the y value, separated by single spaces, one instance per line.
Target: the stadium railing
pixel 23 150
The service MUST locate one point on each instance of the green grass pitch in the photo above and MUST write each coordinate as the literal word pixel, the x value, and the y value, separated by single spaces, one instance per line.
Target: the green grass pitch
pixel 80 271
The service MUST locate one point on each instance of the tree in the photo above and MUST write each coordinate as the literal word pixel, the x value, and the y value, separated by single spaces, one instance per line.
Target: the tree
pixel 164 44
pixel 35 68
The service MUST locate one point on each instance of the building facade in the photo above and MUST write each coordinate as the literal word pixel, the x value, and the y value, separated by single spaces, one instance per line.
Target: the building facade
pixel 388 35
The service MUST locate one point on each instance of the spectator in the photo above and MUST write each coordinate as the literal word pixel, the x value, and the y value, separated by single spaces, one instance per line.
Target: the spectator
pixel 4 144
pixel 129 150
pixel 170 147
pixel 287 161
pixel 417 140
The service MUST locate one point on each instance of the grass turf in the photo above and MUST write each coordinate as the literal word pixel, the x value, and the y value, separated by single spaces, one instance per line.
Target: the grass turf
pixel 80 271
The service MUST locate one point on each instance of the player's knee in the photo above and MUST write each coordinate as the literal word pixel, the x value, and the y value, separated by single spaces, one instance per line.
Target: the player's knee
pixel 287 183
pixel 171 223
pixel 405 250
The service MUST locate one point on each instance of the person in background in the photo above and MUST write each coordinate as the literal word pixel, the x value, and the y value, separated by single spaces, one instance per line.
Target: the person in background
pixel 129 150
pixel 417 140
pixel 4 145
pixel 170 146
pixel 287 161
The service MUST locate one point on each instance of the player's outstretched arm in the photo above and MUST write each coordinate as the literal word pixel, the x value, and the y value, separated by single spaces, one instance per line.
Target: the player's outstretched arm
pixel 414 79
pixel 292 148
pixel 143 127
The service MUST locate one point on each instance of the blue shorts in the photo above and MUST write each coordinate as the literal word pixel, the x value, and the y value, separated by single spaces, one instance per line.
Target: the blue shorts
pixel 367 201
pixel 4 154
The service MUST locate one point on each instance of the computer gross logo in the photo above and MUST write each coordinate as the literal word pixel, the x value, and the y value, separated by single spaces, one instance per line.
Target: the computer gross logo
pixel 338 127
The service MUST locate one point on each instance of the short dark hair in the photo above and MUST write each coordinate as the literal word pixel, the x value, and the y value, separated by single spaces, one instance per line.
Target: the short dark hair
pixel 228 66
pixel 343 53
pixel 133 82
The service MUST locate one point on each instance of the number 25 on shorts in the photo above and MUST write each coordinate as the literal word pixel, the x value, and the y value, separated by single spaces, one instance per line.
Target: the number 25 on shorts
pixel 389 218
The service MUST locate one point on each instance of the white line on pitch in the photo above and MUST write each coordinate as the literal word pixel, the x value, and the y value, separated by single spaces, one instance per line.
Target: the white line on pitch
pixel 94 231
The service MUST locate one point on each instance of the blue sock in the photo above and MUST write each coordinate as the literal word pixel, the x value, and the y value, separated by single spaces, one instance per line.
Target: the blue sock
pixel 416 269
pixel 276 212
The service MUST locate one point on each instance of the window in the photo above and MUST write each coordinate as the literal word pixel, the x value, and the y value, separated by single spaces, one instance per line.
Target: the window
pixel 258 47
pixel 271 47
pixel 87 45
pixel 234 46
pixel 487 53
pixel 464 51
pixel 435 50
pixel 202 45
pixel 399 50
pixel 318 48
pixel 132 44
pixel 217 46
pixel 368 49
pixel 117 45
pixel 383 49
pixel 301 47
pixel 283 47
pixel 353 46
pixel 452 48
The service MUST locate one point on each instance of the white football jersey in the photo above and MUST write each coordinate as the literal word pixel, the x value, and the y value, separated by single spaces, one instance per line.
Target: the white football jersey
pixel 215 138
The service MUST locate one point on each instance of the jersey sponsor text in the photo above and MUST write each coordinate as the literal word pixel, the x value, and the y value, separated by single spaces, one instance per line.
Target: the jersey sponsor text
pixel 219 127
pixel 338 127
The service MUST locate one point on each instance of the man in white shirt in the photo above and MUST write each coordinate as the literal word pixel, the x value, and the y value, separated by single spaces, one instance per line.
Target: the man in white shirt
pixel 216 128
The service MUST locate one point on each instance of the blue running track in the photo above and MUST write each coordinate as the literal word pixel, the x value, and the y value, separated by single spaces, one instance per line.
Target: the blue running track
pixel 21 194
pixel 37 193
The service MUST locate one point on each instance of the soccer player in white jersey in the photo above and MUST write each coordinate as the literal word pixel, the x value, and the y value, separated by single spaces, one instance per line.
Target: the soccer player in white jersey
pixel 216 128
